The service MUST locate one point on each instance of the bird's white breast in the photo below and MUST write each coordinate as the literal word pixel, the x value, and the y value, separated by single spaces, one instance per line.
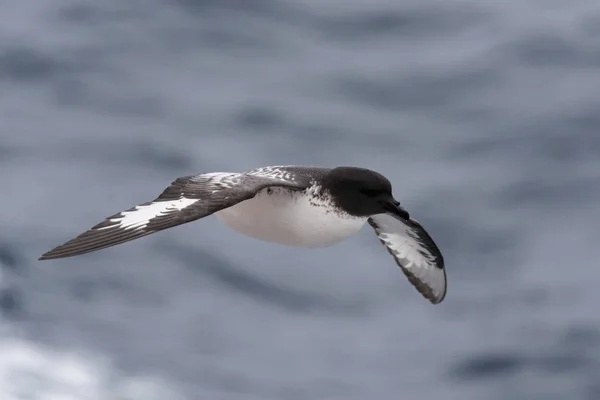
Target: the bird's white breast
pixel 293 218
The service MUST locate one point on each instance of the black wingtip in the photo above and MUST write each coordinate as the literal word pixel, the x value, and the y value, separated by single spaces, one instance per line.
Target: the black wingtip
pixel 48 256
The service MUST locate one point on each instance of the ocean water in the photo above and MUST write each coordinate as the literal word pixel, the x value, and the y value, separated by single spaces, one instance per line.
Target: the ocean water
pixel 485 116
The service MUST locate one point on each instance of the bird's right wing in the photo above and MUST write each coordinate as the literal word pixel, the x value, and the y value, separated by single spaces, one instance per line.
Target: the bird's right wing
pixel 415 252
pixel 187 199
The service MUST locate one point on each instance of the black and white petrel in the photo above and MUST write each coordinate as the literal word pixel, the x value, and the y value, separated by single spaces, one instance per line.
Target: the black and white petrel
pixel 292 205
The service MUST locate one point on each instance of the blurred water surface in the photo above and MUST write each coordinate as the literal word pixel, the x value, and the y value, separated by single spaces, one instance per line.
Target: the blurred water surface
pixel 483 114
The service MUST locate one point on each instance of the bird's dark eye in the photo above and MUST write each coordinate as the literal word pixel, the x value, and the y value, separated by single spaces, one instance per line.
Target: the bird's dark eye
pixel 369 192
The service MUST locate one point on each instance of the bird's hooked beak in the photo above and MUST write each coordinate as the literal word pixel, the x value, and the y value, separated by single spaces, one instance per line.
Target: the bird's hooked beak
pixel 394 207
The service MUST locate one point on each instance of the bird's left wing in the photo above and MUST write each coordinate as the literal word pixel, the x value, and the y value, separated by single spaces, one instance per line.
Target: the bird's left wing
pixel 415 252
pixel 187 199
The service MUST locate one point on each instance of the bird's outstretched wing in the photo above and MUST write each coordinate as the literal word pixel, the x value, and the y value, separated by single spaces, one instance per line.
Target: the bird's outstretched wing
pixel 187 199
pixel 415 252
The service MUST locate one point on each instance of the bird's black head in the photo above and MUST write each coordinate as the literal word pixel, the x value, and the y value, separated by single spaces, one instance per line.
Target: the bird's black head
pixel 362 192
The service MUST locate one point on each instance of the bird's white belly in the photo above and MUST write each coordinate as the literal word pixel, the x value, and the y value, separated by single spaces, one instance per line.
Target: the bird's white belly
pixel 288 217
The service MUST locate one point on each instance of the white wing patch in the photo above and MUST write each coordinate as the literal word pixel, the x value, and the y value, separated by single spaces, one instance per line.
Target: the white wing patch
pixel 415 252
pixel 140 216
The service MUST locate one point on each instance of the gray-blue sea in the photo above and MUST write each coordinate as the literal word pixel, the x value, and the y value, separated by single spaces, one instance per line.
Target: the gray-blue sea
pixel 485 115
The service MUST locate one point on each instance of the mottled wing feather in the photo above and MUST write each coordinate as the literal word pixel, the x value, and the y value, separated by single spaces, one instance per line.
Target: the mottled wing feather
pixel 302 175
pixel 274 172
pixel 187 199
pixel 415 252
